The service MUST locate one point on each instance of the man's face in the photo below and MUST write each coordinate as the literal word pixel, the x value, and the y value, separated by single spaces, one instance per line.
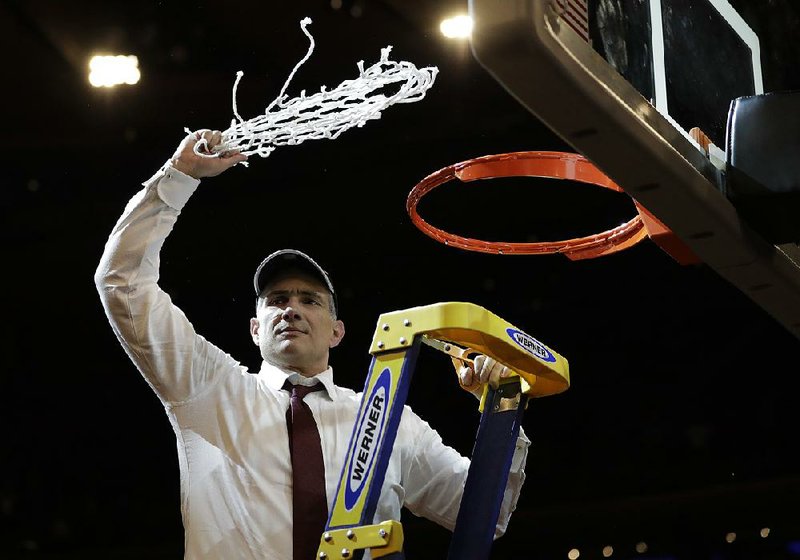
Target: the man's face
pixel 294 326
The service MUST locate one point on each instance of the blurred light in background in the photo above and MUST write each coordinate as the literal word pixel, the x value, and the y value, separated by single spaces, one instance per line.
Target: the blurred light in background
pixel 456 27
pixel 110 71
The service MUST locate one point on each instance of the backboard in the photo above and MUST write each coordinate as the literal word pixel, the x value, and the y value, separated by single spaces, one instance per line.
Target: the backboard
pixel 624 82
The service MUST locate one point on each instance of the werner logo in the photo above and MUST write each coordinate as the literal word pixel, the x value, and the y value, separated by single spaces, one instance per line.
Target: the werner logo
pixel 531 345
pixel 369 431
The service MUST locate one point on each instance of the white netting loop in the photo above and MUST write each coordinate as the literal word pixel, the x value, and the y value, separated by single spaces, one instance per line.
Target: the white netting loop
pixel 328 113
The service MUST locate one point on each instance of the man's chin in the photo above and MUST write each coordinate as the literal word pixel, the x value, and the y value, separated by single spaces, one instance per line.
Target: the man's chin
pixel 289 344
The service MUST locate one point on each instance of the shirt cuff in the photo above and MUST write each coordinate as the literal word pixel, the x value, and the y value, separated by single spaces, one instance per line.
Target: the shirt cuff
pixel 174 187
pixel 520 456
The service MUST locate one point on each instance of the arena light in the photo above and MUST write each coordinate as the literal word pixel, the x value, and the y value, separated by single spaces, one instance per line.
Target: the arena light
pixel 456 27
pixel 113 70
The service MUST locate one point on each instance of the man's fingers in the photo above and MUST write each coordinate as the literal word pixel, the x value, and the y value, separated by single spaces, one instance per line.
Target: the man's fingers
pixel 230 153
pixel 479 364
pixel 208 139
pixel 466 376
pixel 232 159
pixel 484 370
pixel 214 139
pixel 493 373
pixel 489 370
pixel 218 165
pixel 485 366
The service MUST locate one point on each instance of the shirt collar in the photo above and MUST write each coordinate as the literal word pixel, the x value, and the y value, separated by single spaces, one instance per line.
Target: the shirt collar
pixel 275 377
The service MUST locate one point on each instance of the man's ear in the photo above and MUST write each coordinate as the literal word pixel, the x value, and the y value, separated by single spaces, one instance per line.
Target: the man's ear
pixel 338 333
pixel 254 325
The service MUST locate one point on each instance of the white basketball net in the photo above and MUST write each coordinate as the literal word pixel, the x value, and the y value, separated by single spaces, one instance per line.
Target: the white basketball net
pixel 323 115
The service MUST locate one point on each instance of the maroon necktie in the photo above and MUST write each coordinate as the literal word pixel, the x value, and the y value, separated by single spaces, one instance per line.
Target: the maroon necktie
pixel 308 474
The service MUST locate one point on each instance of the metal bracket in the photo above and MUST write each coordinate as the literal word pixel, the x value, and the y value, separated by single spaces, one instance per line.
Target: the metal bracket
pixel 382 539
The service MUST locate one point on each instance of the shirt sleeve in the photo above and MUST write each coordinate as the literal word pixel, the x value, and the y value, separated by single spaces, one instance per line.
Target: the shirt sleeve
pixel 176 362
pixel 434 475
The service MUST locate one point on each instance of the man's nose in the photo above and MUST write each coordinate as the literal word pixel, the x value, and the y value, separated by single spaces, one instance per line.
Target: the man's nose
pixel 289 313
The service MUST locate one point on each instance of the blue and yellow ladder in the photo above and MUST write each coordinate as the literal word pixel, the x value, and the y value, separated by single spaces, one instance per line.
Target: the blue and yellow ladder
pixel 458 329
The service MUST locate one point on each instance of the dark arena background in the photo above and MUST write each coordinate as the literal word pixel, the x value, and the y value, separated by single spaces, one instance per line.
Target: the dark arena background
pixel 678 437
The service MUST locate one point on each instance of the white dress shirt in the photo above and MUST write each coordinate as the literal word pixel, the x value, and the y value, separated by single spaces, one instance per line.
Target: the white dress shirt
pixel 230 424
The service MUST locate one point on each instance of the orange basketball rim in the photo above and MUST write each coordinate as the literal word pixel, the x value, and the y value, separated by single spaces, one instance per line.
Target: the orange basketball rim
pixel 556 165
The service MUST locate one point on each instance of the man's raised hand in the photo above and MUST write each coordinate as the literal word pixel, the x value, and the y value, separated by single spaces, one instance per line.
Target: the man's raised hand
pixel 187 161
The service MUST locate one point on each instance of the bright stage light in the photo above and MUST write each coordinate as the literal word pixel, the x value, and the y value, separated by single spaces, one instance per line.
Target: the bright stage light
pixel 456 27
pixel 110 71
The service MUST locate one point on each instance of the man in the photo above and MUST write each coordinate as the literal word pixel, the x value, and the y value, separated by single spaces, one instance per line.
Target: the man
pixel 231 425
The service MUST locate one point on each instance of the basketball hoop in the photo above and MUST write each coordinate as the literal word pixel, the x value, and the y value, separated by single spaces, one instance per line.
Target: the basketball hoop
pixel 557 165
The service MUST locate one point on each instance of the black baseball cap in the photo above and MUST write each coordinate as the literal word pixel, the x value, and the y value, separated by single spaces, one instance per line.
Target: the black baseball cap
pixel 291 258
